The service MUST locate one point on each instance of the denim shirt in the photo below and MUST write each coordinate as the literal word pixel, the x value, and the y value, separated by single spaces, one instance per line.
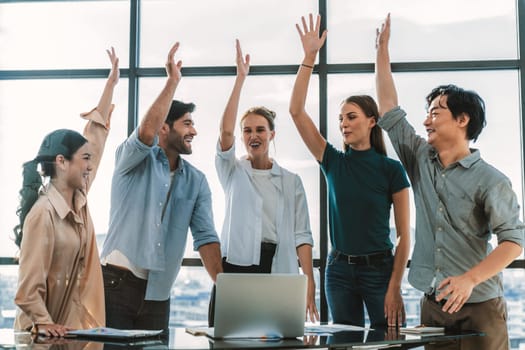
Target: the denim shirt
pixel 146 225
pixel 458 208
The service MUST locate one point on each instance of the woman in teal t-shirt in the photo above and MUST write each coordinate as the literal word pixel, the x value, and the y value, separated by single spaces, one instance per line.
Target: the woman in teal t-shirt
pixel 363 184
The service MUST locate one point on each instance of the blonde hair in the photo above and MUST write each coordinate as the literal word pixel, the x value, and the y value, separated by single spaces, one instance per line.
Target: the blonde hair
pixel 264 112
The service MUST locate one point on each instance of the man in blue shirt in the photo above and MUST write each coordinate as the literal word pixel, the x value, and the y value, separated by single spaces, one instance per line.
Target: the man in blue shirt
pixel 155 197
pixel 461 202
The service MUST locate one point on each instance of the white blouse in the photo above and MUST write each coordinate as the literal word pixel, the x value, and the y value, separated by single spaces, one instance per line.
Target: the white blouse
pixel 241 235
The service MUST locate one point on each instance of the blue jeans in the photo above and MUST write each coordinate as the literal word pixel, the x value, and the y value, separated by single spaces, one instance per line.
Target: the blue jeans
pixel 349 287
pixel 125 304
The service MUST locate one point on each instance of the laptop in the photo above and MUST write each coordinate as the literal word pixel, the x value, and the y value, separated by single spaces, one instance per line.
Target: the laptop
pixel 269 306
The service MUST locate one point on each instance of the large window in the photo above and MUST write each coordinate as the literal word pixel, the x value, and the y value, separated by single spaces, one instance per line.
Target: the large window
pixel 29 110
pixel 453 31
pixel 53 66
pixel 62 34
pixel 207 30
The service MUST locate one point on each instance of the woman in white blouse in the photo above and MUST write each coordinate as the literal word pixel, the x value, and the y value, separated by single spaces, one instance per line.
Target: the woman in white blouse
pixel 266 227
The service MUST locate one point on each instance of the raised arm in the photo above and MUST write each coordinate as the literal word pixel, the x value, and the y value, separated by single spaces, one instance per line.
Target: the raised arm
pixel 97 128
pixel 227 127
pixel 312 43
pixel 105 103
pixel 385 87
pixel 157 113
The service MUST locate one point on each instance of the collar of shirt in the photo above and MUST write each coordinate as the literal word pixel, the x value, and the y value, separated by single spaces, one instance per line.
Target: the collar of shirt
pixel 247 165
pixel 465 162
pixel 59 203
pixel 161 155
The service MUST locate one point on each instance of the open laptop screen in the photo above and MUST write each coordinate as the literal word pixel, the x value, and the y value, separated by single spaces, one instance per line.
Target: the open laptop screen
pixel 260 305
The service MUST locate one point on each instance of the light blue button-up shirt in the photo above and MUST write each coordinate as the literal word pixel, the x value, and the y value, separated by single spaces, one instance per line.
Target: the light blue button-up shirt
pixel 458 209
pixel 150 212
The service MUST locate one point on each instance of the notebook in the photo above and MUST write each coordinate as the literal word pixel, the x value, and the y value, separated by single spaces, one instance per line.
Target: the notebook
pixel 269 306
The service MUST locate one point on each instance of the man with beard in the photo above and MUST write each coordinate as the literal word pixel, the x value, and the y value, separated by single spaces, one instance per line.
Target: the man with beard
pixel 155 197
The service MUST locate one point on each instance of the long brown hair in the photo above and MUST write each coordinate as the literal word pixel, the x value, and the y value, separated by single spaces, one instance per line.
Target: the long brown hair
pixel 369 108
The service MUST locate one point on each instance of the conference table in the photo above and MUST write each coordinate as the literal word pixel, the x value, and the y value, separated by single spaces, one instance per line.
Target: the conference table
pixel 179 339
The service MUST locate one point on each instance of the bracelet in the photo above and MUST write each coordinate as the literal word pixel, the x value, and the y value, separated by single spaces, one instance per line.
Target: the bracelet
pixel 307 66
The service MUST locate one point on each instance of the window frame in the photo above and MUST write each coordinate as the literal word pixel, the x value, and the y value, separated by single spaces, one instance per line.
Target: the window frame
pixel 322 69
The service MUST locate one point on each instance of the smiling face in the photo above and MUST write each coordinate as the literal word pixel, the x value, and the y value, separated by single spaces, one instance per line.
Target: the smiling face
pixel 77 169
pixel 256 135
pixel 355 126
pixel 180 135
pixel 441 126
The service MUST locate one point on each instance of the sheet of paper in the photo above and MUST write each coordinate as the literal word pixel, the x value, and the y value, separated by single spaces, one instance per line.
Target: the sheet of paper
pixel 203 330
pixel 377 346
pixel 422 330
pixel 330 328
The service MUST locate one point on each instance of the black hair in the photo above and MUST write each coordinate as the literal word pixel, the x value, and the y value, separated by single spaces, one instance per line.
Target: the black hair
pixel 461 101
pixel 64 142
pixel 177 110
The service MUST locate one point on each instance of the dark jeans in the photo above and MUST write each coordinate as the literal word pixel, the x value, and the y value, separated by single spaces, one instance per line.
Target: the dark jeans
pixel 125 304
pixel 349 286
pixel 265 266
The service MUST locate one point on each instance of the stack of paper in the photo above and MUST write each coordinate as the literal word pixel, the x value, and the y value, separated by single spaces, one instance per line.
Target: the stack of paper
pixel 423 330
pixel 326 329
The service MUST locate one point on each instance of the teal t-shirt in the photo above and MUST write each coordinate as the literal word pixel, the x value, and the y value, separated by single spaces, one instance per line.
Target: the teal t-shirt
pixel 360 187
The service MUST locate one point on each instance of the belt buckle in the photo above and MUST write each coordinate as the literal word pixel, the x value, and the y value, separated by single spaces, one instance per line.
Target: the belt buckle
pixel 357 259
pixel 349 260
pixel 432 297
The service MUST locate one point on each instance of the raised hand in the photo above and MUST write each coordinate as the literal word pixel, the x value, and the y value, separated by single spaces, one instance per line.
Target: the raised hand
pixel 114 73
pixel 383 33
pixel 309 35
pixel 229 117
pixel 385 86
pixel 243 62
pixel 173 69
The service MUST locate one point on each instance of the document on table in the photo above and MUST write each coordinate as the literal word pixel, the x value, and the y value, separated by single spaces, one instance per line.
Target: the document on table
pixel 423 330
pixel 197 331
pixel 319 329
